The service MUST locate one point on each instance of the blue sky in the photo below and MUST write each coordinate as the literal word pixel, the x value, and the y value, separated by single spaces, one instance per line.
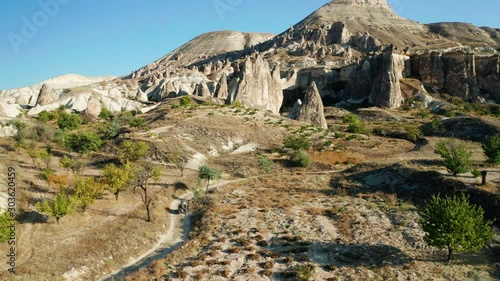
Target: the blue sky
pixel 115 37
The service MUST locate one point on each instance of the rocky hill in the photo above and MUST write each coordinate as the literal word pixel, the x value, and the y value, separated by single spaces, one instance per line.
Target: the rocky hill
pixel 358 53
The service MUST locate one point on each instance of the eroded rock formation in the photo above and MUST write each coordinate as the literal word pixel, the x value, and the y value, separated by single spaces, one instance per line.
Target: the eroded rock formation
pixel 312 110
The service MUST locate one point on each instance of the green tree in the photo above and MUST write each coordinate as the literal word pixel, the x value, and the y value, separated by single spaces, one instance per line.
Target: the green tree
pixel 111 129
pixel 207 173
pixel 132 151
pixel 179 161
pixel 86 191
pixel 5 221
pixel 83 142
pixel 62 205
pixel 68 121
pixel 265 164
pixel 453 223
pixel 117 179
pixel 46 157
pixel 457 157
pixel 144 172
pixel 297 143
pixel 491 149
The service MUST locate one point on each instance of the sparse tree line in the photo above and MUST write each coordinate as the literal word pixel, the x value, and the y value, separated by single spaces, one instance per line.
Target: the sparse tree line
pixel 451 222
pixel 131 172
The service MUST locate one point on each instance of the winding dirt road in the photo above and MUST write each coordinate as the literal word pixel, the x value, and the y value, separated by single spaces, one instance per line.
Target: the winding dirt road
pixel 174 237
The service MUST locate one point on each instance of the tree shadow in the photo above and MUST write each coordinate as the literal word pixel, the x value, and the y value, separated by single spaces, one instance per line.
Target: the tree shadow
pixel 355 255
pixel 31 217
pixel 180 186
pixel 412 185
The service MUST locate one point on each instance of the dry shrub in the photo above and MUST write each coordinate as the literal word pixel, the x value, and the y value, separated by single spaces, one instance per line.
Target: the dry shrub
pixel 242 241
pixel 235 250
pixel 183 274
pixel 249 270
pixel 336 157
pixel 195 263
pixel 268 264
pixel 157 269
pixel 254 257
pixel 141 275
pixel 226 273
pixel 315 211
pixel 267 272
pixel 250 248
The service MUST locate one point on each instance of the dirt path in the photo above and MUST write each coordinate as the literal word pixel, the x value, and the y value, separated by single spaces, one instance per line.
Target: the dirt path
pixel 174 237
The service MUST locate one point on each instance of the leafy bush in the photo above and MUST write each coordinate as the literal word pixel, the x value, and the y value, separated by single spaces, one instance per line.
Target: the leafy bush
pixel 69 121
pixel 5 221
pixel 43 116
pixel 434 127
pixel 351 119
pixel 137 123
pixel 185 101
pixel 42 133
pixel 60 137
pixel 413 134
pixel 111 130
pixel 453 223
pixel 356 126
pixel 265 164
pixel 491 149
pixel 476 173
pixel 456 156
pixel 106 114
pixel 305 272
pixel 297 143
pixel 83 142
pixel 301 158
pixel 125 116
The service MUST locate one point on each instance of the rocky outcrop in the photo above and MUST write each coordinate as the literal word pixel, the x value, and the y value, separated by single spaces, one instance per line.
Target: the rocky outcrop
pixel 141 96
pixel 45 96
pixel 94 106
pixel 464 75
pixel 386 88
pixel 202 47
pixel 9 110
pixel 312 110
pixel 295 111
pixel 221 90
pixel 255 85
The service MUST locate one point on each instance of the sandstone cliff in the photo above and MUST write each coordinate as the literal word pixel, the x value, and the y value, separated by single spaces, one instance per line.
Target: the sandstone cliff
pixel 255 85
